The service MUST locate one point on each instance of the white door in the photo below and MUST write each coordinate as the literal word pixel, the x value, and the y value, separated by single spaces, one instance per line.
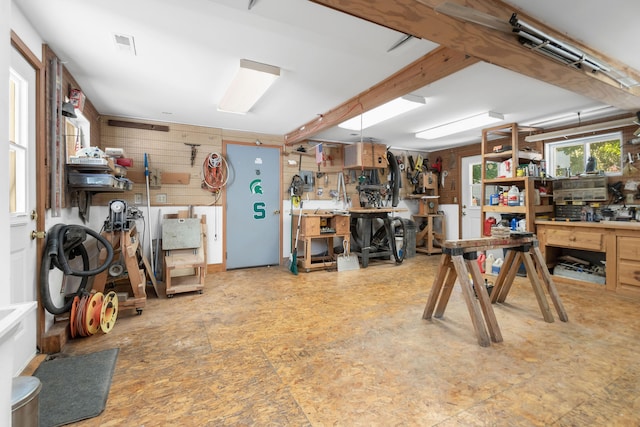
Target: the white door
pixel 22 200
pixel 471 193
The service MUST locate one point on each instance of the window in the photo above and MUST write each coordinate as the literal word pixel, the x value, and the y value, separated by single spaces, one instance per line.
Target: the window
pixel 476 183
pixel 574 154
pixel 18 141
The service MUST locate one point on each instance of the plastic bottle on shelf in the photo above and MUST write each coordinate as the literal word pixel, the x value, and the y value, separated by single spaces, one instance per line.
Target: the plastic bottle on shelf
pixel 513 197
pixel 521 198
pixel 490 260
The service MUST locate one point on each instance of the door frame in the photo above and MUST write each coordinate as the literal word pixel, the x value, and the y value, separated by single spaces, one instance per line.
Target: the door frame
pixel 226 142
pixel 40 153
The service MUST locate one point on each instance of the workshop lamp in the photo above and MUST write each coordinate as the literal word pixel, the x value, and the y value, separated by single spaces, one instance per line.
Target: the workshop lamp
pixel 384 112
pixel 250 83
pixel 468 123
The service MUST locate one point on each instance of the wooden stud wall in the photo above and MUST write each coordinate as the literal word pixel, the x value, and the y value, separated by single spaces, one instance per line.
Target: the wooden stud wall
pixel 89 112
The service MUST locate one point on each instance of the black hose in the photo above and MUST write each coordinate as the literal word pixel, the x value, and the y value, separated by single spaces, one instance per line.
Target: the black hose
pixel 395 178
pixel 65 242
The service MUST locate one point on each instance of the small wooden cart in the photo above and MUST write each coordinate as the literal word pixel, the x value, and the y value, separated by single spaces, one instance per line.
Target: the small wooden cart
pixel 185 262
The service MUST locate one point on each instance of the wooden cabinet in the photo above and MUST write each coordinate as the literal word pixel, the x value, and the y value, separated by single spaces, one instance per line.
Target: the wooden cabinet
pixel 500 172
pixel 576 239
pixel 629 264
pixel 320 225
pixel 616 243
pixel 365 155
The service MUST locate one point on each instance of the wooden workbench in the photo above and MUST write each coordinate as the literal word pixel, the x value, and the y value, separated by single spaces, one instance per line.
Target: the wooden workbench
pixel 320 224
pixel 616 242
pixel 459 261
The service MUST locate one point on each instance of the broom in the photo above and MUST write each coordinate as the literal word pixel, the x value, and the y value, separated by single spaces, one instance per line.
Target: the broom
pixel 294 255
pixel 290 261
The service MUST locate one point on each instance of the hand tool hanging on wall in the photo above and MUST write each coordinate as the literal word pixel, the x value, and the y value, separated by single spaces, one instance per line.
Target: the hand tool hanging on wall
pixel 194 152
pixel 146 175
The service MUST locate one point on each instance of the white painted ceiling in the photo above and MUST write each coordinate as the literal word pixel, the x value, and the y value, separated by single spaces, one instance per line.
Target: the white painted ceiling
pixel 187 52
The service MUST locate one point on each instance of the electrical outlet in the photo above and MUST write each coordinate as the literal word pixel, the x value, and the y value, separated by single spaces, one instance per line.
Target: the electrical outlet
pixel 161 198
pixel 137 199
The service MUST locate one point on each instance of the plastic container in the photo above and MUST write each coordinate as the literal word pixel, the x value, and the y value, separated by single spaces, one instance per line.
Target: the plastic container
pixel 513 197
pixel 521 198
pixel 495 267
pixel 92 180
pixel 25 401
pixel 488 223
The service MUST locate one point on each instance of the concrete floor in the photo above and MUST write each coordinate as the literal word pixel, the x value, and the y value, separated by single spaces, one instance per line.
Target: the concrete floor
pixel 264 347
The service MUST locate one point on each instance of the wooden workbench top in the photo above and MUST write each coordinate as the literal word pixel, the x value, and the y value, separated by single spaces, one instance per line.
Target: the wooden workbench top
pixel 618 225
pixel 320 212
pixel 376 210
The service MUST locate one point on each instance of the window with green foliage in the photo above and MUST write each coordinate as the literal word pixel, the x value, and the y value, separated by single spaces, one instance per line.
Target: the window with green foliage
pixel 574 154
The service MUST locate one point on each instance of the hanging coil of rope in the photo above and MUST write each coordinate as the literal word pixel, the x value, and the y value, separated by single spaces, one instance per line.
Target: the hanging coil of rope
pixel 215 172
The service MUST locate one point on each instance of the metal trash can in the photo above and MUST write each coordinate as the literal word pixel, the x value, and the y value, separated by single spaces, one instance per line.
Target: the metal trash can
pixel 24 401
pixel 411 230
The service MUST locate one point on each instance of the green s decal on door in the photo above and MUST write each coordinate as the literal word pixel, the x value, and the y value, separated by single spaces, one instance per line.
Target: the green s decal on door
pixel 259 210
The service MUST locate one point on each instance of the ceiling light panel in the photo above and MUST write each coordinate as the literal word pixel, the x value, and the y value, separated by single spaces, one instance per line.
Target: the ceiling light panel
pixel 251 82
pixel 384 112
pixel 468 123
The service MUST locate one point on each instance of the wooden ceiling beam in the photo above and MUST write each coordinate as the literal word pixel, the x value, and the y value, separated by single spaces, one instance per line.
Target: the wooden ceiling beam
pixel 437 64
pixel 420 18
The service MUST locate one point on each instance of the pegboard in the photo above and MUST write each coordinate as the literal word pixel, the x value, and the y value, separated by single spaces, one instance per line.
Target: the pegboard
pixel 170 154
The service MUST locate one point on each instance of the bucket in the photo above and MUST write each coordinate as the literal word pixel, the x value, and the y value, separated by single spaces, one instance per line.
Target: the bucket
pixel 25 401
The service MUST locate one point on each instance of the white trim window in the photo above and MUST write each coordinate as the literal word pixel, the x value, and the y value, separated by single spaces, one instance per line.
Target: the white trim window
pixel 18 144
pixel 574 155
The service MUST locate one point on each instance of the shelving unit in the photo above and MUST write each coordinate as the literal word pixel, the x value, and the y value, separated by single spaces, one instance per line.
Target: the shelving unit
pixel 507 175
pixel 430 224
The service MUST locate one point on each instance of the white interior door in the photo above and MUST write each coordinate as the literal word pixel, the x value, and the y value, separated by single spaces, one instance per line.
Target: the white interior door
pixel 22 200
pixel 471 193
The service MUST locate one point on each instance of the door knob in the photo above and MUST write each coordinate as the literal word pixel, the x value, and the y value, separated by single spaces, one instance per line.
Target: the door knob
pixel 38 234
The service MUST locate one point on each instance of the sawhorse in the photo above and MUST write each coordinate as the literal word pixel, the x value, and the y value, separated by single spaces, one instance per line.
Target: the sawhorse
pixel 459 263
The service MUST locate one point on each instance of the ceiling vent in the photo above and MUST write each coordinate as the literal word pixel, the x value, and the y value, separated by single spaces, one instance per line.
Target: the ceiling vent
pixel 125 43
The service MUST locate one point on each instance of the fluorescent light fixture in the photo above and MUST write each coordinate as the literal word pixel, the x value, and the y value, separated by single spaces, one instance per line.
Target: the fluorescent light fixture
pixel 539 41
pixel 250 83
pixel 469 123
pixel 384 112
pixel 614 124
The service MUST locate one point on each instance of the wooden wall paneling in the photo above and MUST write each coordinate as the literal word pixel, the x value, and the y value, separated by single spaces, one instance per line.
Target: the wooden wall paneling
pixel 169 153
